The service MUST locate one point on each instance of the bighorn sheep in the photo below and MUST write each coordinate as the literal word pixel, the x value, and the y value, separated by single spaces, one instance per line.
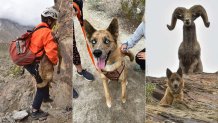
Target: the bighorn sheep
pixel 189 50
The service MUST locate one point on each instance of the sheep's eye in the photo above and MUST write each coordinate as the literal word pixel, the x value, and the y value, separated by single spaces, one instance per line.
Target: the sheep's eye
pixel 93 41
pixel 180 16
pixel 194 14
pixel 106 41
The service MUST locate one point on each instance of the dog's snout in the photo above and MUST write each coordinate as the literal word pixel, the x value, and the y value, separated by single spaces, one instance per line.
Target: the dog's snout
pixel 97 53
pixel 176 86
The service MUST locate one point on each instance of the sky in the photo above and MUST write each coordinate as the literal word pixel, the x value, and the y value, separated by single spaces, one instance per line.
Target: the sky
pixel 162 45
pixel 24 12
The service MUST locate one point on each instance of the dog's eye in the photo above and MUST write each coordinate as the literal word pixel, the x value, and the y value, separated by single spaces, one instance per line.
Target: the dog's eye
pixel 171 79
pixel 93 41
pixel 177 79
pixel 106 41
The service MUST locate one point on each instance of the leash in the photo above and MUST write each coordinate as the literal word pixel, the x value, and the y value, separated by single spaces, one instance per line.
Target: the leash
pixel 79 16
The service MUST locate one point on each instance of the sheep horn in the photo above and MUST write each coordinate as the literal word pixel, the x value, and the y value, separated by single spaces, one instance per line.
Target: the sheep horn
pixel 198 10
pixel 176 15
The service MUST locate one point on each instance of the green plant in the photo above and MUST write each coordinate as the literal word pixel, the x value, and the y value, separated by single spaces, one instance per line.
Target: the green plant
pixel 16 70
pixel 129 10
pixel 149 88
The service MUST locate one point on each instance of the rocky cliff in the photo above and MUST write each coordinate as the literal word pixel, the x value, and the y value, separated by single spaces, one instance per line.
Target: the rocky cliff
pixel 200 97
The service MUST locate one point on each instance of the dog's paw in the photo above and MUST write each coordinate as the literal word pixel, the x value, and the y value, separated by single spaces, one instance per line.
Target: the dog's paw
pixel 109 103
pixel 124 100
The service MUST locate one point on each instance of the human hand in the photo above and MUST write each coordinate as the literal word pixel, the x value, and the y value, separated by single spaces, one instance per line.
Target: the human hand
pixel 141 55
pixel 123 48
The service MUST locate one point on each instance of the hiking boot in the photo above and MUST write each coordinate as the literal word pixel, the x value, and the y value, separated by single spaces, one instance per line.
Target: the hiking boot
pixel 48 100
pixel 39 114
pixel 87 75
pixel 75 94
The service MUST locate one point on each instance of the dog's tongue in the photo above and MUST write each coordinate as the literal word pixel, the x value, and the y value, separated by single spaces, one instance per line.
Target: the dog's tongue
pixel 101 63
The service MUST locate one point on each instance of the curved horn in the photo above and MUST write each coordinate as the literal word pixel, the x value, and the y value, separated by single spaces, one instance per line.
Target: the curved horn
pixel 198 10
pixel 177 14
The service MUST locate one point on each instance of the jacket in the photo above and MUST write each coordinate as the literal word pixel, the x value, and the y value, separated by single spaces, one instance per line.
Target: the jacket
pixel 43 39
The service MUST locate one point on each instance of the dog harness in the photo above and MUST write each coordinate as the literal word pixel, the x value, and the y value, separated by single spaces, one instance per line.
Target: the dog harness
pixel 114 75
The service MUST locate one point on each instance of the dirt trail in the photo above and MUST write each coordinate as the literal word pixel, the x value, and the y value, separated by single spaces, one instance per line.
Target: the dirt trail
pixel 200 97
pixel 90 107
pixel 16 93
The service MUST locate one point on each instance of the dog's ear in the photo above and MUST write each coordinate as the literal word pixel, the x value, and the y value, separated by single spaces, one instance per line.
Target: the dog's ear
pixel 179 71
pixel 169 73
pixel 114 28
pixel 89 29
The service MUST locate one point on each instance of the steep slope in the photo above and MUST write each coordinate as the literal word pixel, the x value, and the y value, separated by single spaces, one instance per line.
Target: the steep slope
pixel 9 30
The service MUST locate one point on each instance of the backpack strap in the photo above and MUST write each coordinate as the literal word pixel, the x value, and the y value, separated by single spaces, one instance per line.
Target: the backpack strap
pixel 39 28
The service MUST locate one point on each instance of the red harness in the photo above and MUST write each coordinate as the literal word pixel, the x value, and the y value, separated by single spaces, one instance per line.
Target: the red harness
pixel 114 75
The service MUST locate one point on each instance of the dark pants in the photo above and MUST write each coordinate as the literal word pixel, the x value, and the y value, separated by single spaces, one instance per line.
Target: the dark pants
pixel 41 93
pixel 140 61
pixel 76 56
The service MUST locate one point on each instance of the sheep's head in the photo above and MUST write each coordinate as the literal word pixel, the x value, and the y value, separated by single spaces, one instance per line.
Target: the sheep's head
pixel 188 16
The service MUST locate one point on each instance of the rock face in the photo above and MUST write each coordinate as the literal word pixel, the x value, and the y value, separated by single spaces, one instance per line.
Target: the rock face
pixel 63 91
pixel 200 97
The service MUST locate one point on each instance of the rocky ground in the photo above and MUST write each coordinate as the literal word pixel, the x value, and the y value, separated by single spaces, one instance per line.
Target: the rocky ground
pixel 90 107
pixel 201 101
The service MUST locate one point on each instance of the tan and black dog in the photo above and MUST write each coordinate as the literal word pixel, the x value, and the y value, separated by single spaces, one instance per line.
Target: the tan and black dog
pixel 174 91
pixel 108 58
pixel 46 70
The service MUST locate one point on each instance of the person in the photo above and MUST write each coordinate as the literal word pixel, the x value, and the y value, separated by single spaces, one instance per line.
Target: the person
pixel 76 56
pixel 43 42
pixel 132 41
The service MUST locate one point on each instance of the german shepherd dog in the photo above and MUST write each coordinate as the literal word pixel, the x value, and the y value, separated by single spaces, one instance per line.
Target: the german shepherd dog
pixel 46 70
pixel 174 91
pixel 109 60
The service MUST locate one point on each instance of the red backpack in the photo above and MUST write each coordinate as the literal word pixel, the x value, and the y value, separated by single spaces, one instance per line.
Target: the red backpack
pixel 19 50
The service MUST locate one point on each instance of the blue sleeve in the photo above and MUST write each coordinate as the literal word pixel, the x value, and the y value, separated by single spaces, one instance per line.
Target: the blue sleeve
pixel 138 34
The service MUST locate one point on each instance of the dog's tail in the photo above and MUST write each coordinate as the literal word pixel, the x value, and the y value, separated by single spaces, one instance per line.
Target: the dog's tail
pixel 130 54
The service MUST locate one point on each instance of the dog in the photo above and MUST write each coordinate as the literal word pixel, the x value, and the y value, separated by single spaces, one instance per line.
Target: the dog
pixel 46 70
pixel 175 85
pixel 108 58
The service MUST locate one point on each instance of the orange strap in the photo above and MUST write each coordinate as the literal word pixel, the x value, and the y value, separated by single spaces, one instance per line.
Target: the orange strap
pixel 78 11
pixel 83 29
